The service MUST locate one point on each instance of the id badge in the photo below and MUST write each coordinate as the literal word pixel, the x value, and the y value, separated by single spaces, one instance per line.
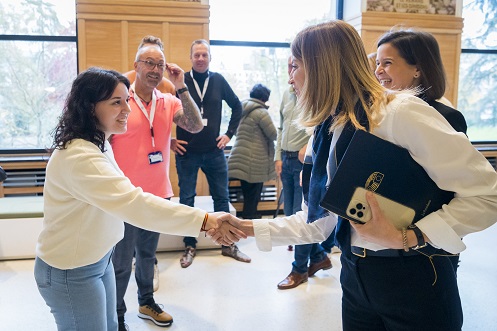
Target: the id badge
pixel 155 157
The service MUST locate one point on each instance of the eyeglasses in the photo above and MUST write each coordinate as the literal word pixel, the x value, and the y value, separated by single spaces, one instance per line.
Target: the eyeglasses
pixel 151 65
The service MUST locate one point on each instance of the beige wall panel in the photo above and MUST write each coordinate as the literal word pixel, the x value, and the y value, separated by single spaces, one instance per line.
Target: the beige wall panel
pixel 450 50
pixel 150 10
pixel 370 39
pixel 112 29
pixel 181 37
pixel 136 31
pixel 103 44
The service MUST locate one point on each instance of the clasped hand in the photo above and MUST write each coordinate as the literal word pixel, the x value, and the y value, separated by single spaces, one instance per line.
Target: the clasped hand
pixel 222 230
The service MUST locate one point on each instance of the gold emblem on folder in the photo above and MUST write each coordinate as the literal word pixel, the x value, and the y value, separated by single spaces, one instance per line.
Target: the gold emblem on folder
pixel 374 181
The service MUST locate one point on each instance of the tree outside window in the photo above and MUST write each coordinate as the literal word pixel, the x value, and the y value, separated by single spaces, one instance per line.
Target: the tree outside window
pixel 477 74
pixel 39 62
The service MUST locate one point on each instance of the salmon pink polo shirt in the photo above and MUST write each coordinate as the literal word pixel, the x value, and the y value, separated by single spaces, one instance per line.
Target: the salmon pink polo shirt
pixel 131 149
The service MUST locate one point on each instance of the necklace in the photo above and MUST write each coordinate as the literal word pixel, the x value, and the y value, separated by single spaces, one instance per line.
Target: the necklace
pixel 142 99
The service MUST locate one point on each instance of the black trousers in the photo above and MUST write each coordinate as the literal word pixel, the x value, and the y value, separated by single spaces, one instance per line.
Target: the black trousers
pixel 400 293
pixel 251 197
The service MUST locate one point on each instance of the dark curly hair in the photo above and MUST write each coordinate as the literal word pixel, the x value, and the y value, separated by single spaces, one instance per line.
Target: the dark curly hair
pixel 78 118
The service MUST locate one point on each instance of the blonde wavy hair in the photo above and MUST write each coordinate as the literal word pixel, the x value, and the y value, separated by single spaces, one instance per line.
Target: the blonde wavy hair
pixel 337 72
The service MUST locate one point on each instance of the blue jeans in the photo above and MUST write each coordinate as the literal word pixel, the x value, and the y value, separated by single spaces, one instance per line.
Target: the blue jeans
pixel 305 253
pixel 80 299
pixel 329 243
pixel 290 178
pixel 213 165
pixel 143 245
pixel 292 199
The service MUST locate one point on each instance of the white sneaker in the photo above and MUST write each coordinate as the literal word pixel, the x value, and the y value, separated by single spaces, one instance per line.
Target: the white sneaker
pixel 156 277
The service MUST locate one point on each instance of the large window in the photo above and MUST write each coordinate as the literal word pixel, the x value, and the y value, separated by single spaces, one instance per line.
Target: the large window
pixel 250 44
pixel 38 52
pixel 477 73
pixel 251 39
pixel 243 33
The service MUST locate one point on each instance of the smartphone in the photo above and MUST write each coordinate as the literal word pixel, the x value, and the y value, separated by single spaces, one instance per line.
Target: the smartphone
pixel 358 209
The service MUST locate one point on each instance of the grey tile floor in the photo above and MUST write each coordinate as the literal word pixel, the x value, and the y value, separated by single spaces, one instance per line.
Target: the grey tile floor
pixel 217 293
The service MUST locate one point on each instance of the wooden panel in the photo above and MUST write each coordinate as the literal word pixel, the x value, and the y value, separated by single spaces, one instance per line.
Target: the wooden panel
pixel 15 191
pixel 109 32
pixel 24 176
pixel 132 10
pixel 103 44
pixel 181 38
pixel 136 31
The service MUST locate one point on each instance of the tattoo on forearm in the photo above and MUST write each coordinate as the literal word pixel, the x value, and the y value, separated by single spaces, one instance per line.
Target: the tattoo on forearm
pixel 189 118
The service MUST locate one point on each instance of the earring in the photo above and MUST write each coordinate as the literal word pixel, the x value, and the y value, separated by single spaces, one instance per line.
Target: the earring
pixel 416 75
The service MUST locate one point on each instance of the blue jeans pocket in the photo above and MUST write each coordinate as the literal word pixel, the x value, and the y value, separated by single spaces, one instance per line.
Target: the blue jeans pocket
pixel 43 274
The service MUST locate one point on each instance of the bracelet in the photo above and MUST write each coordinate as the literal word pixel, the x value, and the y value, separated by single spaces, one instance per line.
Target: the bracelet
pixel 404 240
pixel 181 90
pixel 203 229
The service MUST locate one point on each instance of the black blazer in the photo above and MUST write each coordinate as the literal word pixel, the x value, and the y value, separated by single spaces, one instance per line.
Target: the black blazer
pixel 453 116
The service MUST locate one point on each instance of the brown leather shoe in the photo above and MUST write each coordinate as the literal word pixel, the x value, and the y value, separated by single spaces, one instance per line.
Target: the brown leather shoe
pixel 187 258
pixel 325 264
pixel 294 279
pixel 234 252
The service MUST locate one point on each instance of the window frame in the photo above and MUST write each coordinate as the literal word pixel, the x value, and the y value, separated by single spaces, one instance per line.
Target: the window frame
pixel 38 38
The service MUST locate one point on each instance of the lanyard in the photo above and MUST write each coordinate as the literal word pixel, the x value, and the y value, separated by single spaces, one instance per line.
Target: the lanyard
pixel 201 95
pixel 144 111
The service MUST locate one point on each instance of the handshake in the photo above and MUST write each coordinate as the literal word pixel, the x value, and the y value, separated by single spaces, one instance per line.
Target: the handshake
pixel 226 229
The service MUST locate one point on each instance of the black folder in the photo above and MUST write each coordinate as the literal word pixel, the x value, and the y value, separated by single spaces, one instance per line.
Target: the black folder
pixel 387 169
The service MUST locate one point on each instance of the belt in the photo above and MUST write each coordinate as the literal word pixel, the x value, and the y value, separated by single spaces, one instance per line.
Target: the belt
pixel 428 250
pixel 290 154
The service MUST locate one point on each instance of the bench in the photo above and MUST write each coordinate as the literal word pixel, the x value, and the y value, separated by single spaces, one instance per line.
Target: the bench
pixel 21 221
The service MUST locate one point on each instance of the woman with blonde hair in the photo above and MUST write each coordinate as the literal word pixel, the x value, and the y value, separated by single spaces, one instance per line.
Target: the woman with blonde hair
pixel 388 281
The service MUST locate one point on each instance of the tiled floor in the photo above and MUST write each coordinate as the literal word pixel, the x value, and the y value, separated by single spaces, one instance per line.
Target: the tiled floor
pixel 217 293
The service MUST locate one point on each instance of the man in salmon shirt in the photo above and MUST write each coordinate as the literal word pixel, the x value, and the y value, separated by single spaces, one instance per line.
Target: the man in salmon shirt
pixel 143 154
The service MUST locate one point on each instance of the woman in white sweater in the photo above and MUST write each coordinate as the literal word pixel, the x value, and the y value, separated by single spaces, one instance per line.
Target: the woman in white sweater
pixel 87 198
pixel 391 279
